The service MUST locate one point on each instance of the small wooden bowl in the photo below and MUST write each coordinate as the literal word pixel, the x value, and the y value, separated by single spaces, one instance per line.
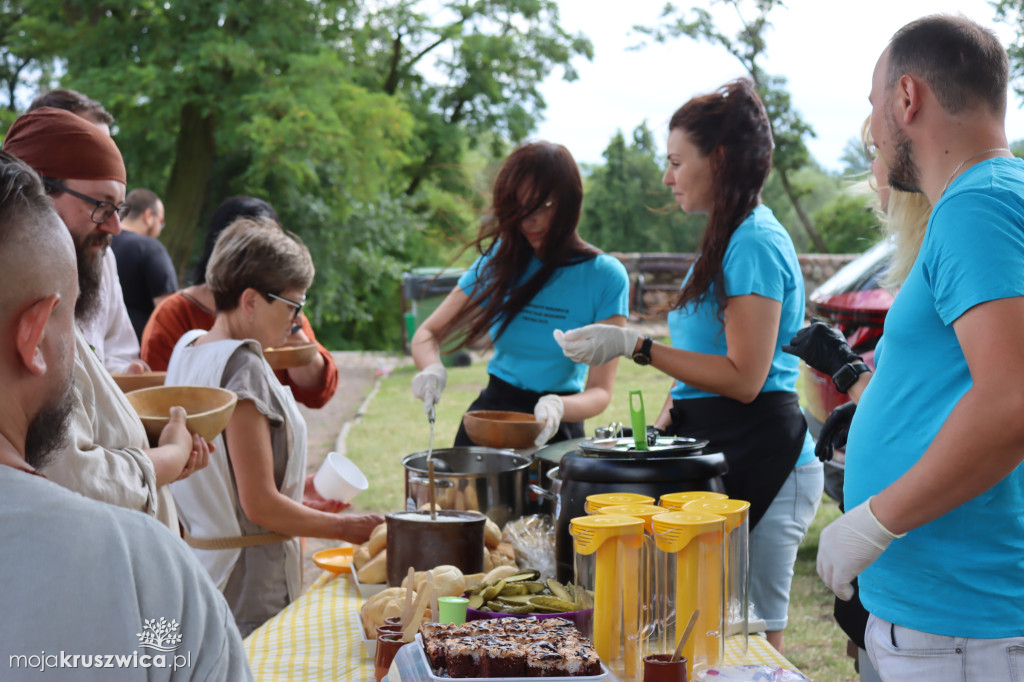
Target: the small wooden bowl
pixel 499 429
pixel 133 382
pixel 286 357
pixel 207 409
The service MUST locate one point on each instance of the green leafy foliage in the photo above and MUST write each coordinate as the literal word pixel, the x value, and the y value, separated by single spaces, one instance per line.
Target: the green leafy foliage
pixel 848 222
pixel 354 119
pixel 748 46
pixel 626 207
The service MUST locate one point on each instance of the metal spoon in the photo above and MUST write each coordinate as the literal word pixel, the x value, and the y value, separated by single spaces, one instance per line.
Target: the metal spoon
pixel 430 466
pixel 678 653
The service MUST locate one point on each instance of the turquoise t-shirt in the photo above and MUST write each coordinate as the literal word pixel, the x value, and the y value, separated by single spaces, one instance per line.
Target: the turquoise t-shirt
pixel 963 573
pixel 526 354
pixel 760 259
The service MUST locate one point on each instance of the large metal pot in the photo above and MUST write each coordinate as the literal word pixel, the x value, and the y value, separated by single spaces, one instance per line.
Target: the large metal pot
pixel 549 495
pixel 470 478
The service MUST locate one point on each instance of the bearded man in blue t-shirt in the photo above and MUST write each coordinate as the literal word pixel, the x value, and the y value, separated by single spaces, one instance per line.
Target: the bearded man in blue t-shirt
pixel 934 486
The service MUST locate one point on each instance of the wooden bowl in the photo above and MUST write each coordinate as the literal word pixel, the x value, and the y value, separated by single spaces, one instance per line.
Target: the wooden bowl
pixel 133 382
pixel 499 429
pixel 207 409
pixel 286 357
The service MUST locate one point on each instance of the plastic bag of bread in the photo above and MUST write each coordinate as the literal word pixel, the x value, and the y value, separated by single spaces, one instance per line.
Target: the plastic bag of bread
pixel 531 538
pixel 384 604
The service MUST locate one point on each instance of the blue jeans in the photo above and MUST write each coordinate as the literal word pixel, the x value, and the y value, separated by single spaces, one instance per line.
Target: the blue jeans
pixel 900 653
pixel 775 539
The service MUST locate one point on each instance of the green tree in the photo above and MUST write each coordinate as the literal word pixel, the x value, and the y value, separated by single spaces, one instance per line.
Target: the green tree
pixel 748 47
pixel 626 207
pixel 855 158
pixel 848 222
pixel 468 70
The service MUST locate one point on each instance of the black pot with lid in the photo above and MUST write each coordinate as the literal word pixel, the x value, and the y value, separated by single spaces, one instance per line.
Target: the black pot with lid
pixel 670 465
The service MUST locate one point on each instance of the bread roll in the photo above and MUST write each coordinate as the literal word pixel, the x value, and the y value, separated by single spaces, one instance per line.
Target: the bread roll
pixel 361 557
pixel 378 539
pixel 492 534
pixel 375 571
pixel 380 606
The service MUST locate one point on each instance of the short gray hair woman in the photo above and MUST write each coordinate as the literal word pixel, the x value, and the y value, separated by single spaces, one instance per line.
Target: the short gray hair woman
pixel 243 517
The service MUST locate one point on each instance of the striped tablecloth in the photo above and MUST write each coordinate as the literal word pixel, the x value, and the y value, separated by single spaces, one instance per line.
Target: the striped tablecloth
pixel 318 638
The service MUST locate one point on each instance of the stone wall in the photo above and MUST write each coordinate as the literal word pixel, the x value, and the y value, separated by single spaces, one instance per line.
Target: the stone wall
pixel 654 277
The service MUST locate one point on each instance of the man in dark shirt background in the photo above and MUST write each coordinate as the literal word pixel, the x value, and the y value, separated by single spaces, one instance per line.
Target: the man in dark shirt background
pixel 143 264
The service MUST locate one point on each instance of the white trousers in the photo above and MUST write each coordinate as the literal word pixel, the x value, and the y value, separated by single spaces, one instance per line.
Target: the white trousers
pixel 904 655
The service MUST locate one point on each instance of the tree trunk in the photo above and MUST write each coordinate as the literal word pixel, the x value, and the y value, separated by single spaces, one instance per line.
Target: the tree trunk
pixel 186 188
pixel 819 243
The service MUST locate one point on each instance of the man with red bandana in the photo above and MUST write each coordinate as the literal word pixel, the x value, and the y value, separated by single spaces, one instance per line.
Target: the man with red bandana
pixel 108 457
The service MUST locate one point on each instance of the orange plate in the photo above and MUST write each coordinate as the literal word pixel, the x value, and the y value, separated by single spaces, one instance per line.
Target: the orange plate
pixel 337 560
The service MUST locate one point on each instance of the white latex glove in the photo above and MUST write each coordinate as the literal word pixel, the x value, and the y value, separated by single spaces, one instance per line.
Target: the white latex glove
pixel 550 409
pixel 596 344
pixel 850 544
pixel 428 384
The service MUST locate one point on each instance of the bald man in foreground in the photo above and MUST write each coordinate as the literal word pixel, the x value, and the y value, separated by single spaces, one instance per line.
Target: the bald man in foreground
pixel 87 587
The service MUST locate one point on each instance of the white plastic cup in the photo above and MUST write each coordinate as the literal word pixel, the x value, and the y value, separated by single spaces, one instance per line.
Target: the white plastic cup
pixel 339 479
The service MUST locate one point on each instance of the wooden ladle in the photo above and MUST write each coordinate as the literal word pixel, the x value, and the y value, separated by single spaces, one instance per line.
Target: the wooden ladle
pixel 678 653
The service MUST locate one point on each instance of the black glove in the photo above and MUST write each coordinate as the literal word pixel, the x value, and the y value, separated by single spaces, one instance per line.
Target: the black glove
pixel 822 347
pixel 834 432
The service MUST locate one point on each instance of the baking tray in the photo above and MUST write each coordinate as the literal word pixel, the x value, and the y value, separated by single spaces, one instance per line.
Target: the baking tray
pixel 367 590
pixel 422 655
pixel 369 645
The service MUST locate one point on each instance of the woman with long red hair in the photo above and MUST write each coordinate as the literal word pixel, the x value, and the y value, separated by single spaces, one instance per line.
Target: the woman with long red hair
pixel 534 275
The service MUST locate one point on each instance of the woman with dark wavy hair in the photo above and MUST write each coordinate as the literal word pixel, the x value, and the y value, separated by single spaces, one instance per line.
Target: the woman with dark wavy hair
pixel 741 301
pixel 534 274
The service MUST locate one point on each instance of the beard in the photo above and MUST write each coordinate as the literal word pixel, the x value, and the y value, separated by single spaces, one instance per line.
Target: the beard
pixel 48 432
pixel 903 174
pixel 90 271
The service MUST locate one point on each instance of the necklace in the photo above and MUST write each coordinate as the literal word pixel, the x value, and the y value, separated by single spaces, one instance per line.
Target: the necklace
pixel 964 162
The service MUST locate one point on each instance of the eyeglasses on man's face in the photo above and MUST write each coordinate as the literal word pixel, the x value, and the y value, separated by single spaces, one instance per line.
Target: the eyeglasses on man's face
pixel 297 305
pixel 103 209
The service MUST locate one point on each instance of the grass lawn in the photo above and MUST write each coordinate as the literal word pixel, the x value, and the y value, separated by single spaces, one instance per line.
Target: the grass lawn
pixel 394 425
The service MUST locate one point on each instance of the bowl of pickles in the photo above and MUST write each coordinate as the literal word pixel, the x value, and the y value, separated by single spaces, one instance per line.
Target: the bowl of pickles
pixel 526 595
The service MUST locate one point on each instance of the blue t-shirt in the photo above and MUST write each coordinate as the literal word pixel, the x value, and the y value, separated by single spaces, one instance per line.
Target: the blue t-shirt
pixel 963 573
pixel 526 354
pixel 760 259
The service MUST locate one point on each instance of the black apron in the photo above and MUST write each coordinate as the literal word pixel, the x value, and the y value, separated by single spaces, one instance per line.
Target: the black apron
pixel 761 441
pixel 501 395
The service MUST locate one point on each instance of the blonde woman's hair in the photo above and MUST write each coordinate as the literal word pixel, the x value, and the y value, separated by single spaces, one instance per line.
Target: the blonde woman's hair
pixel 256 253
pixel 904 221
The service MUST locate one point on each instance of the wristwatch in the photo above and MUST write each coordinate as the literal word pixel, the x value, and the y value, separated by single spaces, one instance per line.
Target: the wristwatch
pixel 643 356
pixel 847 375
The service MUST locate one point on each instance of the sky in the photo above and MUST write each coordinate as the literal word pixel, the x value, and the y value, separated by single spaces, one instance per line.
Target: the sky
pixel 827 54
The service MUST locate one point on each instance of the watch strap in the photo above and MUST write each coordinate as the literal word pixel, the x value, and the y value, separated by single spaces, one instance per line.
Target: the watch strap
pixel 642 356
pixel 847 375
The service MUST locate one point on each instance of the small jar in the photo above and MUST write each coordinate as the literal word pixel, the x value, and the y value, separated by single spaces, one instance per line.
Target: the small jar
pixel 388 644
